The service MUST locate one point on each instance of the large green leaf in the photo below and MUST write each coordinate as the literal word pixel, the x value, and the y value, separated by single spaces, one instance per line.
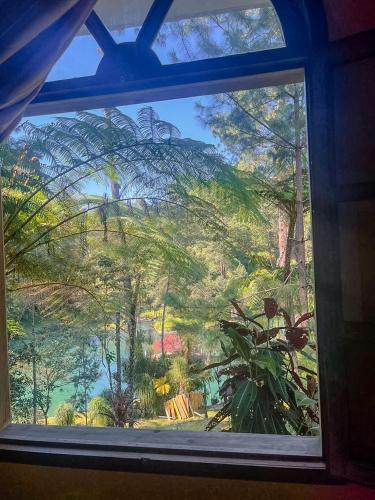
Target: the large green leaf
pixel 241 344
pixel 281 388
pixel 242 404
pixel 278 388
pixel 265 360
pixel 303 400
pixel 224 349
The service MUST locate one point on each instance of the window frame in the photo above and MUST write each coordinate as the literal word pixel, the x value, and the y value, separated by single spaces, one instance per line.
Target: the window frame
pixel 187 453
pixel 34 444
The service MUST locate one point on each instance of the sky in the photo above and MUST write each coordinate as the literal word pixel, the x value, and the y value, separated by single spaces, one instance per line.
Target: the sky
pixel 82 57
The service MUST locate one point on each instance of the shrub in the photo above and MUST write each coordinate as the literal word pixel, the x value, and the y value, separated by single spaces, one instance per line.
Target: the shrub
pixel 263 390
pixel 65 414
pixel 98 412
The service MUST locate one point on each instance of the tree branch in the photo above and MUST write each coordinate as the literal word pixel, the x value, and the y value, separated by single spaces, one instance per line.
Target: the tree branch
pixel 77 214
pixel 260 122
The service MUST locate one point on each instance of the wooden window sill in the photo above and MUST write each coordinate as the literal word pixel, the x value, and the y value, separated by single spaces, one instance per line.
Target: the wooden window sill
pixel 240 456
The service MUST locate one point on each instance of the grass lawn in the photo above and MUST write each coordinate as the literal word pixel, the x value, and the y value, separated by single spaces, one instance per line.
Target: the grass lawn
pixel 190 424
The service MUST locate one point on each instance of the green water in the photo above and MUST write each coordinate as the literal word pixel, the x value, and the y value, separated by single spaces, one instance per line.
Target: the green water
pixel 63 394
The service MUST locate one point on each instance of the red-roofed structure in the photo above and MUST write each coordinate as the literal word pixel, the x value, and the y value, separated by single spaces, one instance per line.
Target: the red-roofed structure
pixel 172 344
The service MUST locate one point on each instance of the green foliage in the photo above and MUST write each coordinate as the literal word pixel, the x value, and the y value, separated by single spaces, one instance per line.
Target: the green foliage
pixel 64 414
pixel 263 391
pixel 149 402
pixel 20 395
pixel 85 372
pixel 181 232
pixel 243 398
pixel 98 411
pixel 178 374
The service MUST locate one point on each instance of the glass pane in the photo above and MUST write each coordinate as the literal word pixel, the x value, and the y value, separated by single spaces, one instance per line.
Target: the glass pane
pixel 207 28
pixel 158 266
pixel 81 58
pixel 121 17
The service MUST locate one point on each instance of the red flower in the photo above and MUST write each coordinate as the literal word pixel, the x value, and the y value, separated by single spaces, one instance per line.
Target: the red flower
pixel 172 344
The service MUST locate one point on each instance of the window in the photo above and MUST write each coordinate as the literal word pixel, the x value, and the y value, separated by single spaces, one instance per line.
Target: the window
pixel 185 216
pixel 132 73
pixel 123 20
pixel 199 31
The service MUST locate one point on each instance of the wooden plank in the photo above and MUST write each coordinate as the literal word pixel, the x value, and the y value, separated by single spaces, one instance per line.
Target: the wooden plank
pixel 283 469
pixel 354 117
pixel 181 405
pixel 353 48
pixel 187 405
pixel 179 408
pixel 189 442
pixel 357 243
pixel 174 416
pixel 327 272
pixel 170 410
pixel 353 109
pixel 360 191
pixel 176 409
pixel 4 375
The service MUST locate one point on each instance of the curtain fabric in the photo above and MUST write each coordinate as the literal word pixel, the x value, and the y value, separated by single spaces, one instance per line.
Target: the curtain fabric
pixel 33 35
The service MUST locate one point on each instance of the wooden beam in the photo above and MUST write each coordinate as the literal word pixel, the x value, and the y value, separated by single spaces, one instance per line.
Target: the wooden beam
pixel 4 375
pixel 231 455
pixel 143 92
pixel 327 272
pixel 223 444
pixel 255 70
pixel 100 32
pixel 153 22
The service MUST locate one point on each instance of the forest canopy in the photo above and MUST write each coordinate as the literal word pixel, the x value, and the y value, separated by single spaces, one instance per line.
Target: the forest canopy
pixel 154 280
pixel 119 303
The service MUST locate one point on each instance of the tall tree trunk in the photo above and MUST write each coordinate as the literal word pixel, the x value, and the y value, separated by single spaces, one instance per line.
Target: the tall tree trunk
pixel 163 319
pixel 107 363
pixel 300 231
pixel 130 294
pixel 34 386
pixel 205 400
pixel 283 228
pixel 289 246
pixel 130 318
pixel 34 368
pixel 118 354
pixel 86 405
pixel 131 306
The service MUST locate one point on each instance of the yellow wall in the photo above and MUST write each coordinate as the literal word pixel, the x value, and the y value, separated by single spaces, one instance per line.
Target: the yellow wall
pixel 48 483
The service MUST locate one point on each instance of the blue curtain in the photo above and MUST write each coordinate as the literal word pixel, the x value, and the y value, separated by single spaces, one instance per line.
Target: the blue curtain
pixel 33 35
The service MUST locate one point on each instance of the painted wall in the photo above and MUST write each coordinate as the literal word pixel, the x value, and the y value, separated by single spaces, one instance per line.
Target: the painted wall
pixel 20 482
pixel 348 17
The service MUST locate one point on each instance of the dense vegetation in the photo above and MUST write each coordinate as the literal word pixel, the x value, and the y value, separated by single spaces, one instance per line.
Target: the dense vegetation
pixel 185 239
